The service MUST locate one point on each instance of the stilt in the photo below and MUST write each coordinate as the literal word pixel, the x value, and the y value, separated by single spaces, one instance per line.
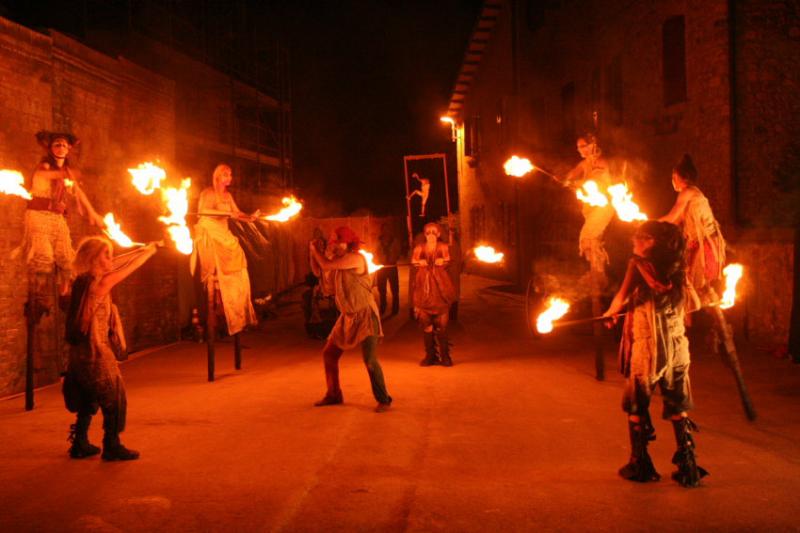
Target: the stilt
pixel 33 310
pixel 732 360
pixel 211 326
pixel 237 351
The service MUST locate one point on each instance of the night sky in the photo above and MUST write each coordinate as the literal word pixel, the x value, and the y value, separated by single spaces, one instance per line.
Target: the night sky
pixel 370 80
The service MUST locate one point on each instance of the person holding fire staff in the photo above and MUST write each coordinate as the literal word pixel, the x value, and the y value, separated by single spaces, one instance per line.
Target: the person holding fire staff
pixel 654 350
pixel 94 332
pixel 359 322
pixel 222 261
pixel 46 239
pixel 434 292
pixel 594 167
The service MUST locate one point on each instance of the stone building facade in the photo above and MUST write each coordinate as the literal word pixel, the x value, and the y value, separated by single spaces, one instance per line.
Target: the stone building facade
pixel 717 79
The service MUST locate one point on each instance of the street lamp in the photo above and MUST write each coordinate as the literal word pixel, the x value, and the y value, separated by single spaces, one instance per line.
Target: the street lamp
pixel 449 120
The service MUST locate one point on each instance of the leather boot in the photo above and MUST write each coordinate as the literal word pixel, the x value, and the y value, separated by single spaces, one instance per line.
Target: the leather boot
pixel 688 473
pixel 114 450
pixel 79 437
pixel 431 358
pixel 444 348
pixel 640 466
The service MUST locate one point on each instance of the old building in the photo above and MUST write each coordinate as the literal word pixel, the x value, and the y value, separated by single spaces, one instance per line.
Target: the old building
pixel 716 79
pixel 137 84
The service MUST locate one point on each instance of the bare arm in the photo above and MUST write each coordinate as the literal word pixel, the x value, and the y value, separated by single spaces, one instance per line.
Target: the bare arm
pixel 346 262
pixel 417 259
pixel 441 261
pixel 676 214
pixel 86 206
pixel 624 291
pixel 110 279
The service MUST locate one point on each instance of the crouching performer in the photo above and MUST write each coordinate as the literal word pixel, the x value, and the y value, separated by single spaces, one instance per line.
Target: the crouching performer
pixel 94 332
pixel 359 322
pixel 654 350
pixel 434 292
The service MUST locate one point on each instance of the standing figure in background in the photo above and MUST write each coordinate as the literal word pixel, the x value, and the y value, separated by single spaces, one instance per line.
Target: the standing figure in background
pixel 423 192
pixel 94 331
pixel 387 254
pixel 222 261
pixel 594 167
pixel 654 350
pixel 359 322
pixel 433 294
pixel 46 241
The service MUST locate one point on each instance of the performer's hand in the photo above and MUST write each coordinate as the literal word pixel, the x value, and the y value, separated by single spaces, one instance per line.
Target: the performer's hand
pixel 422 263
pixel 610 319
pixel 438 262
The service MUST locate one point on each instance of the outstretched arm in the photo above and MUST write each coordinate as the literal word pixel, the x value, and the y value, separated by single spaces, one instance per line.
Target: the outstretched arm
pixel 346 262
pixel 624 291
pixel 85 206
pixel 676 214
pixel 110 279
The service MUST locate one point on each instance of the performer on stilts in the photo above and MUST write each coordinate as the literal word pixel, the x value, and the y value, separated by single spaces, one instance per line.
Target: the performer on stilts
pixel 434 292
pixel 94 332
pixel 654 350
pixel 46 244
pixel 223 265
pixel 359 322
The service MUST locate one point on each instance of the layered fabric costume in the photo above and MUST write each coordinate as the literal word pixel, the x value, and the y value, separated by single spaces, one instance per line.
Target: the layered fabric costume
pixel 434 292
pixel 222 262
pixel 596 219
pixel 705 245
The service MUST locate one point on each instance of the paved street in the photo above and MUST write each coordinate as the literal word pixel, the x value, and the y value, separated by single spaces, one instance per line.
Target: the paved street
pixel 517 436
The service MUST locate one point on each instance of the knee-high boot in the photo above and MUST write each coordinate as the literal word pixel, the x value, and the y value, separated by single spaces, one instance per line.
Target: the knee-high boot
pixel 79 437
pixel 444 348
pixel 640 466
pixel 431 358
pixel 688 473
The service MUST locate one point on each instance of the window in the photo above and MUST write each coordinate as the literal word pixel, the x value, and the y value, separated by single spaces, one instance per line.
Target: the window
pixel 674 60
pixel 472 136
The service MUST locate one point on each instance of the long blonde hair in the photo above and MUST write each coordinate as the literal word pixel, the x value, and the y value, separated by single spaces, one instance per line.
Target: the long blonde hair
pixel 89 250
pixel 218 171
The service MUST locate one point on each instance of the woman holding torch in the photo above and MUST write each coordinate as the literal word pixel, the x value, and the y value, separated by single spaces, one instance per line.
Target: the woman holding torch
pixel 93 379
pixel 434 292
pixel 222 260
pixel 654 350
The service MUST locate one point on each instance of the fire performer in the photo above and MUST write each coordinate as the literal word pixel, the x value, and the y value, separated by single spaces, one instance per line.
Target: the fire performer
pixel 654 350
pixel 93 379
pixel 46 241
pixel 359 322
pixel 222 261
pixel 596 218
pixel 387 254
pixel 434 292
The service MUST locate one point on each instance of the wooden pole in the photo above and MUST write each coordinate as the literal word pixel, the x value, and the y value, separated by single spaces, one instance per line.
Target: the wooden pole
pixel 211 326
pixel 237 351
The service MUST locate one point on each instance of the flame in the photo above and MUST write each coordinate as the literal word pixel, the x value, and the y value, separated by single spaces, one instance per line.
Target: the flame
pixel 733 273
pixel 487 254
pixel 556 308
pixel 590 193
pixel 622 200
pixel 517 166
pixel 114 232
pixel 11 182
pixel 177 203
pixel 147 177
pixel 290 209
pixel 371 267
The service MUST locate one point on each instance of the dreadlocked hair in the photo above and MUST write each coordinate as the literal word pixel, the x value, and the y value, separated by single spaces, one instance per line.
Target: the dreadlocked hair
pixel 89 250
pixel 667 255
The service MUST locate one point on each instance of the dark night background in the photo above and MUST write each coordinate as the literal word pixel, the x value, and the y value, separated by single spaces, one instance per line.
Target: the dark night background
pixel 370 80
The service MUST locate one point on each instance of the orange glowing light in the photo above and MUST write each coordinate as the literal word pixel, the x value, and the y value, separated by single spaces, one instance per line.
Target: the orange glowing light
pixel 114 232
pixel 556 308
pixel 622 200
pixel 11 182
pixel 147 177
pixel 291 207
pixel 176 201
pixel 448 120
pixel 371 266
pixel 733 273
pixel 518 166
pixel 590 193
pixel 487 254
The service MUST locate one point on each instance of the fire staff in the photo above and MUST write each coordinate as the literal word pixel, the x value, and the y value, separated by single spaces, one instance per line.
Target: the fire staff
pixel 434 292
pixel 654 350
pixel 359 322
pixel 223 264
